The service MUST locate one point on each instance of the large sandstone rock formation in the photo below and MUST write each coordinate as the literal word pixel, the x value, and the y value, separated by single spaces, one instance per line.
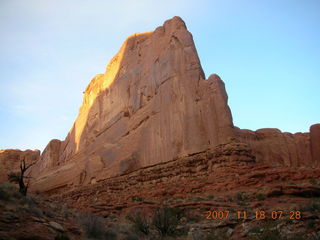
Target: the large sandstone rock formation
pixel 10 160
pixel 270 145
pixel 152 105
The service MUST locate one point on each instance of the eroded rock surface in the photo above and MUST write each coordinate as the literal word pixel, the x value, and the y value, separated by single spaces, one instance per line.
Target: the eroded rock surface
pixel 152 105
pixel 225 177
pixel 315 143
pixel 10 160
pixel 270 145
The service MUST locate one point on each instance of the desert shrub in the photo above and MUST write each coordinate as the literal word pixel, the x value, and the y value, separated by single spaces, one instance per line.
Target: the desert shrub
pixel 165 220
pixel 7 190
pixel 136 199
pixel 261 196
pixel 110 235
pixel 298 236
pixel 48 212
pixel 29 238
pixel 17 195
pixel 4 195
pixel 314 182
pixel 131 236
pixel 140 222
pixel 210 237
pixel 94 226
pixel 19 177
pixel 8 186
pixel 315 236
pixel 35 211
pixel 65 211
pixel 61 237
pixel 30 200
pixel 269 231
pixel 311 223
pixel 194 218
pixel 313 206
pixel 196 199
pixel 210 197
pixel 270 235
pixel 242 203
pixel 213 234
pixel 241 196
pixel 255 229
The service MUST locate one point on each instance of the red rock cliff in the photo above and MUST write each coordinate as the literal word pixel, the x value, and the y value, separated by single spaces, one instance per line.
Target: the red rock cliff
pixel 10 160
pixel 152 105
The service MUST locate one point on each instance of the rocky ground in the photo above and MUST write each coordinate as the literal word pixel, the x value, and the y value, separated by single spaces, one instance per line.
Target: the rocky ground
pixel 207 186
pixel 217 194
pixel 36 217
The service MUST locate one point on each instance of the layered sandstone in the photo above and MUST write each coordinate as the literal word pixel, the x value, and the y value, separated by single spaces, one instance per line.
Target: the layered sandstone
pixel 315 143
pixel 152 105
pixel 207 180
pixel 10 160
pixel 270 145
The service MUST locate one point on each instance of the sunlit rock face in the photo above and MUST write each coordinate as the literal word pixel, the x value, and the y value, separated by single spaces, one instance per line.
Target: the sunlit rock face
pixel 10 160
pixel 152 105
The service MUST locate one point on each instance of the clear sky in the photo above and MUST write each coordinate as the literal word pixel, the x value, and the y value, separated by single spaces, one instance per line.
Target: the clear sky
pixel 267 52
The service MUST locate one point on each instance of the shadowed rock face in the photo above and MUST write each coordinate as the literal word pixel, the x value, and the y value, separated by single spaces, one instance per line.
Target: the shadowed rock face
pixel 315 144
pixel 10 160
pixel 154 105
pixel 272 146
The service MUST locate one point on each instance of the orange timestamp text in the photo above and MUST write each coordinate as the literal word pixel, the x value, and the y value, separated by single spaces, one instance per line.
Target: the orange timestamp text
pixel 258 214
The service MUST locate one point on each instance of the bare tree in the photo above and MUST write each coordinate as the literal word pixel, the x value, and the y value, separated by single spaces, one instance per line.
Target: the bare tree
pixel 19 177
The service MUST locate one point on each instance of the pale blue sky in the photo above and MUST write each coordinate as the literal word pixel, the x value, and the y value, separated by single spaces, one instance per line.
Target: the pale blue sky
pixel 267 53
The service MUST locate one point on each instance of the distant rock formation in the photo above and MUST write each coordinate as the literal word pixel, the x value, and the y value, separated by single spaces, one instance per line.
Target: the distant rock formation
pixel 154 105
pixel 10 160
pixel 315 144
pixel 270 145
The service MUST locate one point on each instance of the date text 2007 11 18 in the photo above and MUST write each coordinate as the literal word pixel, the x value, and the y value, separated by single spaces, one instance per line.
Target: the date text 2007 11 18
pixel 258 214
